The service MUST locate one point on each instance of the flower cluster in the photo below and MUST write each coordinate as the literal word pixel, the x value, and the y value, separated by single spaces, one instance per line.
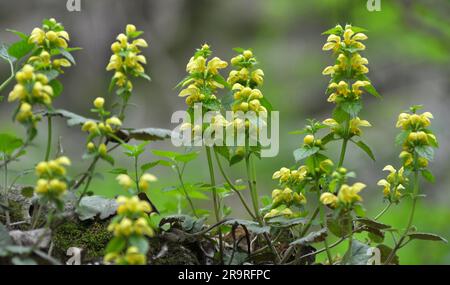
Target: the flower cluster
pixel 291 177
pixel 348 80
pixel 285 198
pixel 346 196
pixel 245 79
pixel 416 138
pixel 353 128
pixel 52 184
pixel 31 88
pixel 394 183
pixel 51 35
pixel 107 126
pixel 204 78
pixel 43 61
pixel 127 59
pixel 143 184
pixel 130 228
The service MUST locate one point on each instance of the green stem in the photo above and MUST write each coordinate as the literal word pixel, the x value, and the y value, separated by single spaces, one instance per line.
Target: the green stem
pixel 215 198
pixel 136 173
pixel 191 203
pixel 224 175
pixel 89 175
pixel 49 138
pixel 343 150
pixel 252 186
pixel 411 214
pixel 8 218
pixel 11 77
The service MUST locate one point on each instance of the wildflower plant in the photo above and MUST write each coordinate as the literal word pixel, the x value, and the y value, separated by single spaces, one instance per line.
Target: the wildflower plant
pixel 316 201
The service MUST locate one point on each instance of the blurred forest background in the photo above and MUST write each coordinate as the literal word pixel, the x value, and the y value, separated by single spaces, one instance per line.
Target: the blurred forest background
pixel 408 52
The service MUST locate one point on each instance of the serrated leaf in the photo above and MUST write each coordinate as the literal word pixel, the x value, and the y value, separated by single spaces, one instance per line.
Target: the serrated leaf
pixel 428 175
pixel 304 152
pixel 365 148
pixel 93 206
pixel 352 108
pixel 9 143
pixel 425 151
pixel 57 87
pixel 67 55
pixel 373 224
pixel 372 91
pixel 20 49
pixel 312 237
pixel 426 236
pixel 252 226
pixel 357 254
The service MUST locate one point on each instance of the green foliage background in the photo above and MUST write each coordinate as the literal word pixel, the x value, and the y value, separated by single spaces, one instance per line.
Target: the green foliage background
pixel 408 52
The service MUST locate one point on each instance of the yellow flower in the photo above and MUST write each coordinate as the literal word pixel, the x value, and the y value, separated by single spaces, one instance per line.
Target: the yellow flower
pixel 355 124
pixel 328 199
pixel 145 180
pixel 134 257
pixel 215 64
pixel 130 29
pixel 114 121
pixel 125 181
pixel 283 174
pixel 258 76
pixel 349 194
pixel 197 64
pixel 386 187
pixel 357 85
pixel 333 43
pixel 102 149
pixel 37 36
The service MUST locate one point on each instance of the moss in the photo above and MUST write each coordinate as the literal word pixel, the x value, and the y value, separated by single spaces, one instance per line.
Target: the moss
pixel 16 214
pixel 91 236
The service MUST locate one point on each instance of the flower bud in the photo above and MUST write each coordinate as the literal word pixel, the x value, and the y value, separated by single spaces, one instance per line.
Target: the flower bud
pixel 308 139
pixel 102 150
pixel 248 54
pixel 130 29
pixel 99 102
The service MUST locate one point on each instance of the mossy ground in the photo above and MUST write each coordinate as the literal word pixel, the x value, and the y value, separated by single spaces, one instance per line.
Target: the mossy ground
pixel 91 236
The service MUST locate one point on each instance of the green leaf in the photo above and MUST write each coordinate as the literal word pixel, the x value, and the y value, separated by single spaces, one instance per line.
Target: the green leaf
pixel 304 152
pixel 426 236
pixel 371 90
pixel 428 175
pixel 150 134
pixel 187 157
pixel 140 242
pixel 116 244
pixel 333 31
pixel 252 226
pixel 339 226
pixel 425 151
pixel 357 254
pixel 118 171
pixel 67 55
pixel 92 206
pixel 401 137
pixel 20 49
pixel 149 165
pixel 312 237
pixel 356 29
pixel 373 224
pixel 352 108
pixel 365 148
pixel 9 143
pixel 266 104
pixel 57 87
pixel 51 74
pixel 339 115
pixel 23 261
pixel 21 35
pixel 145 76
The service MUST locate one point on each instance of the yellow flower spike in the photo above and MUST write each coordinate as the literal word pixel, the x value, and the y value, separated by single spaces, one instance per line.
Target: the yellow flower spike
pixel 126 227
pixel 99 102
pixel 328 199
pixel 125 181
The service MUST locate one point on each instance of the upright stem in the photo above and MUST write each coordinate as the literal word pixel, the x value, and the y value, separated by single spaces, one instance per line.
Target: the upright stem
pixel 411 214
pixel 136 173
pixel 7 81
pixel 224 175
pixel 215 198
pixel 186 194
pixel 89 175
pixel 5 191
pixel 49 137
pixel 343 150
pixel 252 185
